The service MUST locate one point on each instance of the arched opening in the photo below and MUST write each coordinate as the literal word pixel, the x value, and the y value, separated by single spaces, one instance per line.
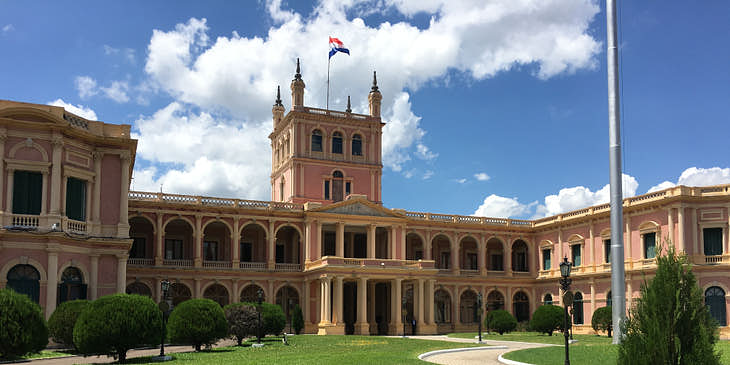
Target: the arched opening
pixel 356 145
pixel 139 289
pixel 178 243
pixel 442 304
pixel 519 256
pixel 414 247
pixel 253 244
pixel 216 244
pixel 337 142
pixel 179 293
pixel 547 299
pixel 609 299
pixel 25 279
pixel 468 310
pixel 250 294
pixel 715 301
pixel 578 308
pixel 521 306
pixel 495 255
pixel 337 183
pixel 72 285
pixel 441 252
pixel 286 298
pixel 287 246
pixel 316 140
pixel 142 234
pixel 468 254
pixel 217 293
pixel 495 300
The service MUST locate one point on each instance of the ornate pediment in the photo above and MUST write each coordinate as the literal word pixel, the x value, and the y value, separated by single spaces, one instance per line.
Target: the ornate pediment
pixel 358 207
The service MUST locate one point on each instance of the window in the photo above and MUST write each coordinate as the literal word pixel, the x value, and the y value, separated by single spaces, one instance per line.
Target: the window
pixel 316 141
pixel 337 142
pixel 548 299
pixel 496 262
pixel 445 260
pixel 495 300
pixel 575 254
pixel 337 183
pixel 279 252
pixel 609 299
pixel 712 238
pixel 519 256
pixel 546 259
pixel 356 145
pixel 442 302
pixel 330 240
pixel 25 279
pixel 649 245
pixel 138 248
pixel 210 251
pixel 72 286
pixel 715 301
pixel 521 307
pixel 246 252
pixel 76 199
pixel 471 258
pixel 607 251
pixel 347 188
pixel 173 249
pixel 281 190
pixel 327 190
pixel 27 192
pixel 578 308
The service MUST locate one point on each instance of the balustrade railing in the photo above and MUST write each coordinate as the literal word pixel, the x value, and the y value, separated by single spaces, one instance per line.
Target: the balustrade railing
pixel 354 262
pixel 714 259
pixel 212 202
pixel 217 264
pixel 288 267
pixel 25 220
pixel 178 263
pixel 140 262
pixel 74 226
pixel 252 265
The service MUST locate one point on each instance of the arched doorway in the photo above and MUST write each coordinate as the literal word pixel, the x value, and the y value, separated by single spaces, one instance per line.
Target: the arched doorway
pixel 495 300
pixel 179 293
pixel 442 303
pixel 521 306
pixel 468 254
pixel 495 255
pixel 519 256
pixel 139 289
pixel 142 232
pixel 253 244
pixel 216 244
pixel 72 285
pixel 217 293
pixel 286 298
pixel 250 294
pixel 25 279
pixel 179 243
pixel 715 301
pixel 468 310
pixel 287 246
pixel 441 252
pixel 578 308
pixel 547 299
pixel 414 247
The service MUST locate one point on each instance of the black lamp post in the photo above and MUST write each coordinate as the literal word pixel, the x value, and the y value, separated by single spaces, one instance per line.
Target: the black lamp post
pixel 259 300
pixel 479 315
pixel 565 281
pixel 165 308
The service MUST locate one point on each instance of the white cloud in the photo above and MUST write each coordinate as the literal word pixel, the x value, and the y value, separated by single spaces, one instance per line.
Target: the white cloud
pixel 117 91
pixel 8 28
pixel 79 110
pixel 461 181
pixel 499 206
pixel 400 132
pixel 428 174
pixel 481 176
pixel 86 86
pixel 698 176
pixel 127 53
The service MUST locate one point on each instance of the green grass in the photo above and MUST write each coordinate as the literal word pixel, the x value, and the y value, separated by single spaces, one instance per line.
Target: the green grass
pixel 556 339
pixel 320 350
pixel 45 354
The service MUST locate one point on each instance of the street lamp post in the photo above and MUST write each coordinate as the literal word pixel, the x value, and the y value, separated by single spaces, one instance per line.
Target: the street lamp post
pixel 479 315
pixel 165 309
pixel 260 298
pixel 565 281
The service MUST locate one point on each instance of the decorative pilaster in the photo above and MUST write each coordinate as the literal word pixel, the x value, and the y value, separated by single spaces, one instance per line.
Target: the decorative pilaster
pixel 680 229
pixel 52 284
pixel 371 241
pixel 3 137
pixel 123 226
pixel 420 322
pixel 121 273
pixel 395 306
pixel 340 240
pixel 361 326
pixel 94 277
pixel 236 239
pixel 159 241
pixel 96 200
pixel 57 143
pixel 482 255
pixel 455 254
pixel 198 248
pixel 270 246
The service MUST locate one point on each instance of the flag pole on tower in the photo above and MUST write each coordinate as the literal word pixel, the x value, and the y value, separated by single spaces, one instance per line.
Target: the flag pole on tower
pixel 335 46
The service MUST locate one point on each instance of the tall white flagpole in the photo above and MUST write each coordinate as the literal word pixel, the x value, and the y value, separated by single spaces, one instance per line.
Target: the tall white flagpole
pixel 327 107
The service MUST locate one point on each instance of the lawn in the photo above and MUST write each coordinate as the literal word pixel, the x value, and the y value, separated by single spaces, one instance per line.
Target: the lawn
pixel 320 350
pixel 556 339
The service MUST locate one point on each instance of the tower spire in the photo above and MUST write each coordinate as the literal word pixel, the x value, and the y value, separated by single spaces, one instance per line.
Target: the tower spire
pixel 375 82
pixel 278 96
pixel 348 110
pixel 298 75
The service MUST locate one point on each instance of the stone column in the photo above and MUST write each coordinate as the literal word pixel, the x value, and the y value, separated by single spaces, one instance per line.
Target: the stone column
pixel 340 240
pixel 57 143
pixel 318 241
pixel 696 246
pixel 680 229
pixel 421 304
pixel 371 307
pixel 430 302
pixel 396 303
pixel 123 226
pixel 235 295
pixel 44 194
pixel 326 303
pixel 455 254
pixel 9 194
pixel 52 284
pixel 306 304
pixel 508 300
pixel 670 223
pixel 3 137
pixel 627 240
pixel 196 289
pixel 94 276
pixel 508 257
pixel 337 302
pixel 236 239
pixel 307 241
pixel 593 296
pixel 96 206
pixel 159 241
pixel 361 326
pixel 121 273
pixel 456 310
pixel 402 242
pixel 591 248
pixel 427 247
pixel 392 249
pixel 271 246
pixel 272 296
pixel 371 241
pixel 198 246
pixel 482 259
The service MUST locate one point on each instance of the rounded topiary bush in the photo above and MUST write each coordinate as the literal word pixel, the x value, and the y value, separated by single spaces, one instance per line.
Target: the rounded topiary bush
pixel 62 321
pixel 115 323
pixel 602 320
pixel 501 321
pixel 22 327
pixel 297 319
pixel 242 320
pixel 197 322
pixel 273 318
pixel 547 318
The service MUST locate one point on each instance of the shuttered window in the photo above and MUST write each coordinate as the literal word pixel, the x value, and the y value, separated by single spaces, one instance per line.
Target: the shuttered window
pixel 76 199
pixel 27 192
pixel 713 241
pixel 649 245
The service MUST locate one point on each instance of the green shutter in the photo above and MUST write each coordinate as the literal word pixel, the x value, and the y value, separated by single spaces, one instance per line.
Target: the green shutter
pixel 27 192
pixel 712 241
pixel 76 199
pixel 649 245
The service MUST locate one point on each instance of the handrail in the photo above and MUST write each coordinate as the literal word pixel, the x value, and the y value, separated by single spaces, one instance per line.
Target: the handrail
pixel 212 201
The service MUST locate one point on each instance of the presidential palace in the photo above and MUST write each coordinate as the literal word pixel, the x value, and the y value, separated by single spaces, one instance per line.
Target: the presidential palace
pixel 71 228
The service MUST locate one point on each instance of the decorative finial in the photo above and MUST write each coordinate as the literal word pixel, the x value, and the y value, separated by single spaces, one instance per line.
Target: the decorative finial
pixel 375 82
pixel 298 75
pixel 278 96
pixel 348 110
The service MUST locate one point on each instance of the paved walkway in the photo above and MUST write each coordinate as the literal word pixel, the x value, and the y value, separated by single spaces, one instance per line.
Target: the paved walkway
pixel 472 357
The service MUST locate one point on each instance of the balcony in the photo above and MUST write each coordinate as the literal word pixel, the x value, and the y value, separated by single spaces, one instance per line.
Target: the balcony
pixel 469 272
pixel 178 263
pixel 334 261
pixel 140 262
pixel 253 266
pixel 24 220
pixel 288 267
pixel 74 226
pixel 217 264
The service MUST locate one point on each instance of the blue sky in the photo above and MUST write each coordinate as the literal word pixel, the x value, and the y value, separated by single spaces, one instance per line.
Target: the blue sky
pixel 496 108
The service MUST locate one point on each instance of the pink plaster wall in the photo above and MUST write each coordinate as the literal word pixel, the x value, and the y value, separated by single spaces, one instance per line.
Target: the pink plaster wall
pixel 110 188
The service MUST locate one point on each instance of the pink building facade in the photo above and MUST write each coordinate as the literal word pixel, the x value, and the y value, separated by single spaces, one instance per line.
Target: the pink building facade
pixel 325 241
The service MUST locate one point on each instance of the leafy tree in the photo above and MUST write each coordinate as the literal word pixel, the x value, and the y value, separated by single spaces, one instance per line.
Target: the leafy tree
pixel 197 322
pixel 62 321
pixel 670 323
pixel 501 321
pixel 602 320
pixel 242 320
pixel 114 324
pixel 22 327
pixel 547 318
pixel 297 319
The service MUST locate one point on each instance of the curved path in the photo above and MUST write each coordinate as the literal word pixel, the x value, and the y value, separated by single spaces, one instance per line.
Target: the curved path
pixel 484 355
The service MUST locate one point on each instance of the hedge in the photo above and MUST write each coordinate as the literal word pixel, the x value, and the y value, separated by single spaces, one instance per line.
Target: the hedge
pixel 62 321
pixel 501 321
pixel 547 319
pixel 22 327
pixel 197 322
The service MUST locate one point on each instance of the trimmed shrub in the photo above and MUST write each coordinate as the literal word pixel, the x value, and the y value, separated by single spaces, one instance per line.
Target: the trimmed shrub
pixel 501 321
pixel 115 323
pixel 273 318
pixel 547 319
pixel 22 327
pixel 297 319
pixel 242 320
pixel 670 323
pixel 602 320
pixel 62 321
pixel 197 322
